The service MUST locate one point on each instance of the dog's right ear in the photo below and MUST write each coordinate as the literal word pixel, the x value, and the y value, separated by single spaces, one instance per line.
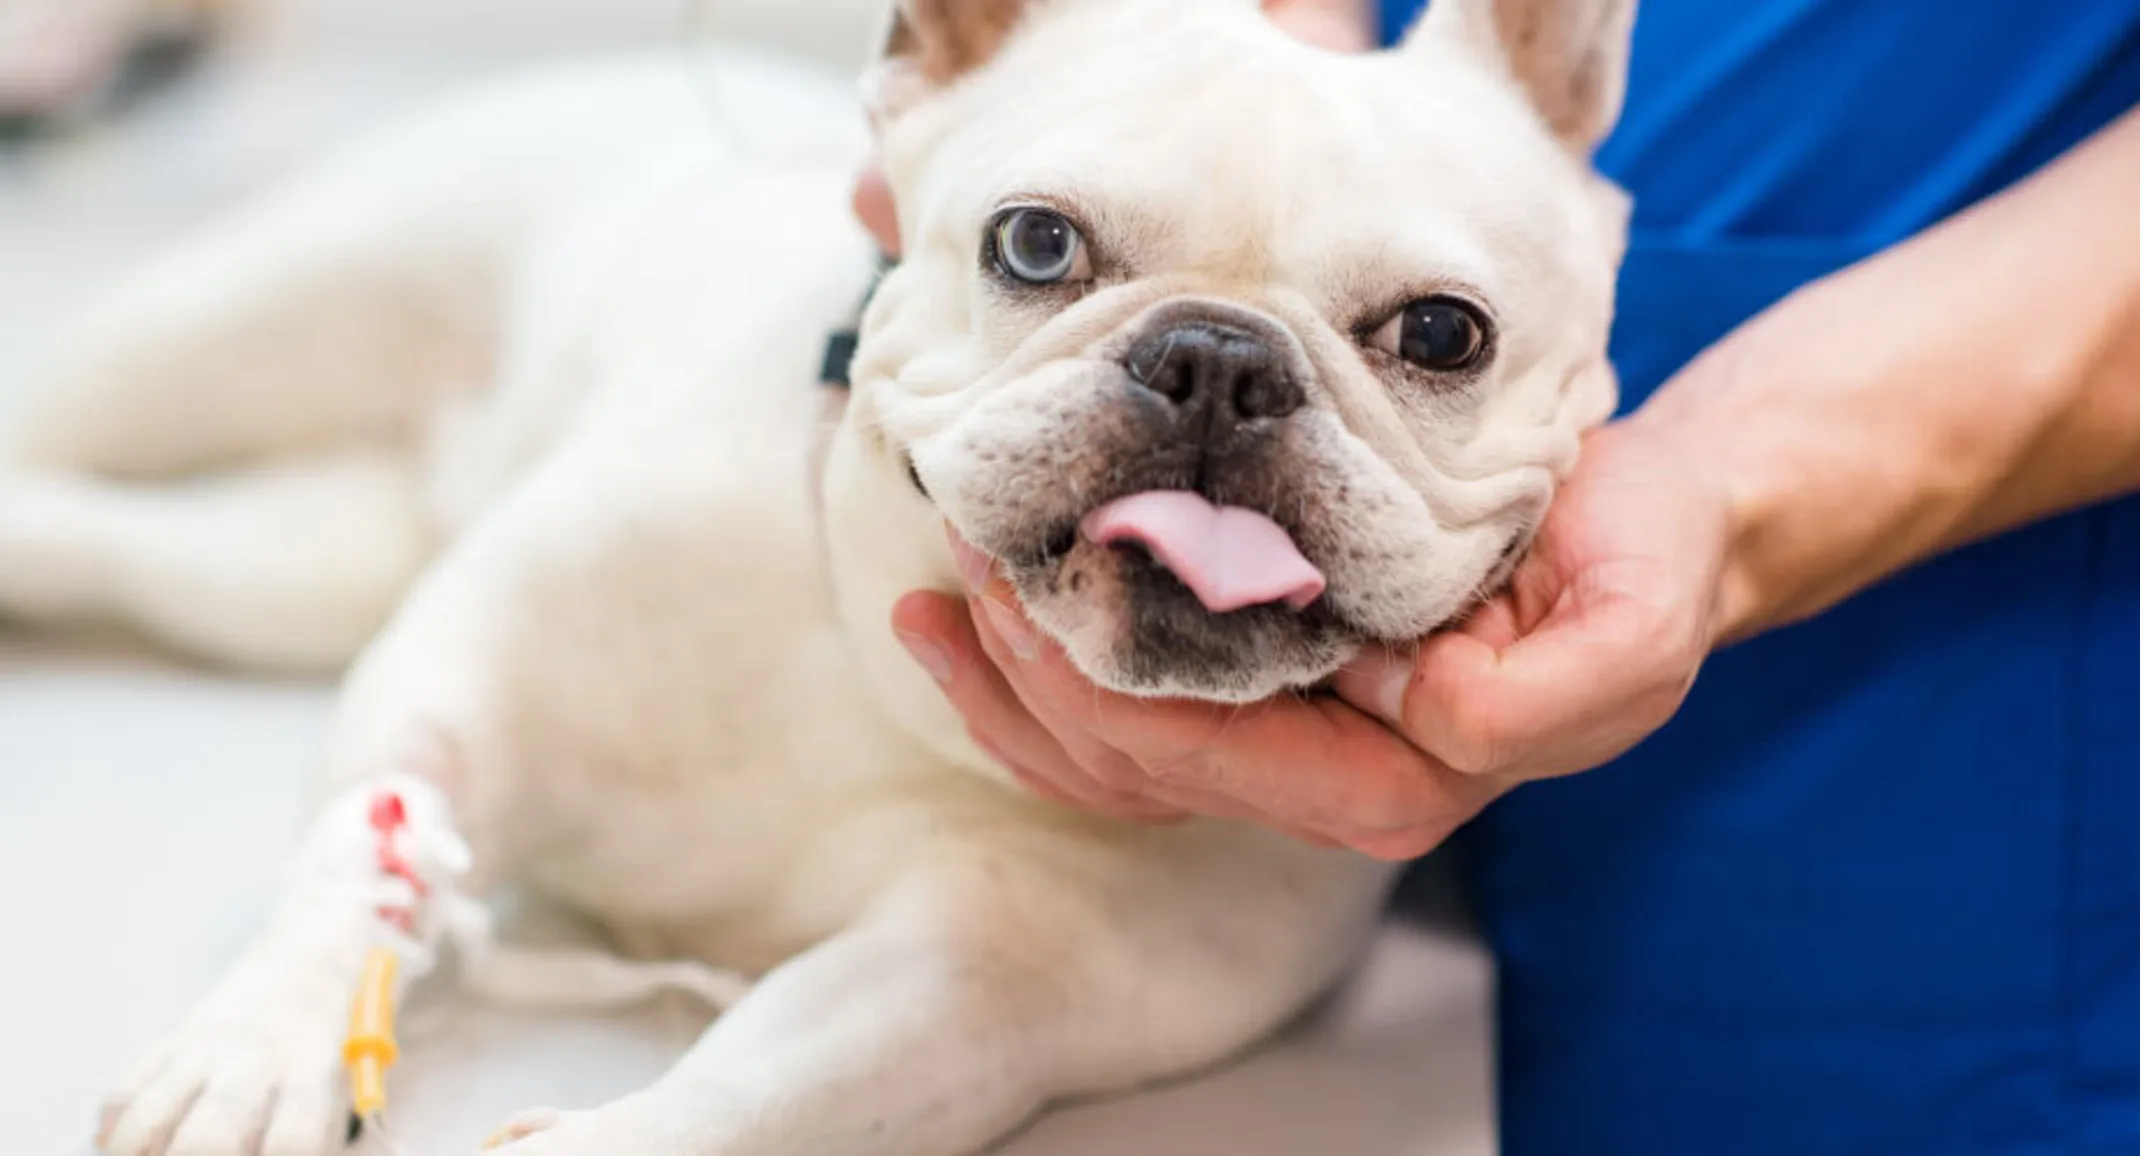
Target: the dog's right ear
pixel 1569 56
pixel 932 43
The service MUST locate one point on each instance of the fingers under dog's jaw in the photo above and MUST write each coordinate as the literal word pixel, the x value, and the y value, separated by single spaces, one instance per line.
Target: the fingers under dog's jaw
pixel 931 657
pixel 1068 786
pixel 999 721
pixel 1145 733
pixel 1444 701
pixel 1196 759
pixel 1006 624
pixel 1038 743
pixel 1441 808
pixel 1017 711
pixel 1041 764
pixel 935 632
pixel 1378 682
pixel 1217 805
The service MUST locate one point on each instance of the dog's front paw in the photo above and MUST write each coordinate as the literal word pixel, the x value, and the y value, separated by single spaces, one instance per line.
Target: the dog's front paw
pixel 253 1072
pixel 627 1128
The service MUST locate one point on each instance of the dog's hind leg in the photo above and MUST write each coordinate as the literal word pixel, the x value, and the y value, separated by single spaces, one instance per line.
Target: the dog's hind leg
pixel 282 567
pixel 335 309
pixel 312 322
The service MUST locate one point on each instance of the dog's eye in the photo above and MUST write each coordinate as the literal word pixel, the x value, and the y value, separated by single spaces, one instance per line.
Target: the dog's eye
pixel 1038 247
pixel 1441 334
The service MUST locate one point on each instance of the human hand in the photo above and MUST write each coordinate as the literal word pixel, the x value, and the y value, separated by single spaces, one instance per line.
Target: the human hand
pixel 1342 25
pixel 1593 646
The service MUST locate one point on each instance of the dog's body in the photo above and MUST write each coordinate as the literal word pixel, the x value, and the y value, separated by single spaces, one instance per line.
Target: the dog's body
pixel 531 384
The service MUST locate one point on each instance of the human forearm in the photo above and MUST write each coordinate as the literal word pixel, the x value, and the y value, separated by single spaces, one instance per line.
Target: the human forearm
pixel 1979 377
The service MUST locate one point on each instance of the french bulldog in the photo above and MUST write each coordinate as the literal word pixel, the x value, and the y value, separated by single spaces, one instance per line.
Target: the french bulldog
pixel 1238 355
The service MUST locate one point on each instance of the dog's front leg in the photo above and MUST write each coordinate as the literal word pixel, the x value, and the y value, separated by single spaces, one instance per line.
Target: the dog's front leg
pixel 972 996
pixel 898 1036
pixel 253 1067
pixel 411 811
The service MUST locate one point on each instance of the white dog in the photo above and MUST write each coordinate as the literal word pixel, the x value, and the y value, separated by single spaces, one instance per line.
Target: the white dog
pixel 1240 355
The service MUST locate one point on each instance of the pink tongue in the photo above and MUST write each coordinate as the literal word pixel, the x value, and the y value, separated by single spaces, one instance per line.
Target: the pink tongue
pixel 1230 558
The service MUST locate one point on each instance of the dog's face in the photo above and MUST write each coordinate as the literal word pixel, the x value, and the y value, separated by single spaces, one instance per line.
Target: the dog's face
pixel 1236 353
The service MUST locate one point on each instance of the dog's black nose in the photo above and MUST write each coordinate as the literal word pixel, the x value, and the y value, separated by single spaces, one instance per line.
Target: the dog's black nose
pixel 1229 374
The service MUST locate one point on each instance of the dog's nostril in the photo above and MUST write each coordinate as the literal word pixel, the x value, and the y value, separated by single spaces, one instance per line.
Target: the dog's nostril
pixel 1155 366
pixel 1216 368
pixel 1061 543
pixel 1267 395
pixel 1177 382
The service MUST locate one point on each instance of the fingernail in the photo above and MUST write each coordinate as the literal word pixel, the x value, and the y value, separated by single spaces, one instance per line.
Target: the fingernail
pixel 1011 627
pixel 975 568
pixel 932 658
pixel 1377 682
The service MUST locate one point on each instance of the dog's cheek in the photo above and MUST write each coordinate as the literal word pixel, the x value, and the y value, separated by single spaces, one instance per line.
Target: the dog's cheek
pixel 1017 468
pixel 1394 571
pixel 1355 518
pixel 1408 586
pixel 977 472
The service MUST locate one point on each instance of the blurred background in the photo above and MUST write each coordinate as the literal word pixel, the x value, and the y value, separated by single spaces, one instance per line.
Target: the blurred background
pixel 144 805
pixel 103 149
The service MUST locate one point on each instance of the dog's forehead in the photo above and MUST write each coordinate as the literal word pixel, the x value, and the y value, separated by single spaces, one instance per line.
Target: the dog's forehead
pixel 1204 137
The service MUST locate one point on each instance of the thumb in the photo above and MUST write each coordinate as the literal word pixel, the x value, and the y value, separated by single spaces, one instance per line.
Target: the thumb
pixel 1379 682
pixel 1573 695
pixel 1421 694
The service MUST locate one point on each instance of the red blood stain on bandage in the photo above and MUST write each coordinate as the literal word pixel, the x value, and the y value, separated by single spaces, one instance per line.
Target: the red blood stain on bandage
pixel 389 817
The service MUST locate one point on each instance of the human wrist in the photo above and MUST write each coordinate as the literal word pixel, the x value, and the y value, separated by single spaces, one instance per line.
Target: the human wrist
pixel 1970 380
pixel 1847 442
pixel 1741 499
pixel 1828 463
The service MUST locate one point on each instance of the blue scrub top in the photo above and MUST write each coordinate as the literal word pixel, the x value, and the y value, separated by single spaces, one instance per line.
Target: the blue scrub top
pixel 1877 889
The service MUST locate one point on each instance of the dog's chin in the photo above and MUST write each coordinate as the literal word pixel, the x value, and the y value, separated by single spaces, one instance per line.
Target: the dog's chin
pixel 1131 627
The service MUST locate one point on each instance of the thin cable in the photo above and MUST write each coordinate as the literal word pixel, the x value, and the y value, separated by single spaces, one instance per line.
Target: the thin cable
pixel 375 1127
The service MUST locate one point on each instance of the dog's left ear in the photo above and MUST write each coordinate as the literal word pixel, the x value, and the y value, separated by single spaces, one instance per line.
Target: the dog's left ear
pixel 931 44
pixel 1569 56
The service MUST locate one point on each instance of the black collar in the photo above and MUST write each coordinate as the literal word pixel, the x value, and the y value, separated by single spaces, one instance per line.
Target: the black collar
pixel 840 347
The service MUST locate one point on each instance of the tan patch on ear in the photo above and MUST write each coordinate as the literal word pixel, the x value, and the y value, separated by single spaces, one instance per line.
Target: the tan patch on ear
pixel 946 39
pixel 1570 56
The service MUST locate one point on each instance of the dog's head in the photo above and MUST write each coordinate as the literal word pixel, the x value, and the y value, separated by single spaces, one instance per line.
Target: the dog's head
pixel 1237 353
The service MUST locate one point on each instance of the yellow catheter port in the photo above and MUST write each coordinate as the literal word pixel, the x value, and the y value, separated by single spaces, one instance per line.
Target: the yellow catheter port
pixel 371 1049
